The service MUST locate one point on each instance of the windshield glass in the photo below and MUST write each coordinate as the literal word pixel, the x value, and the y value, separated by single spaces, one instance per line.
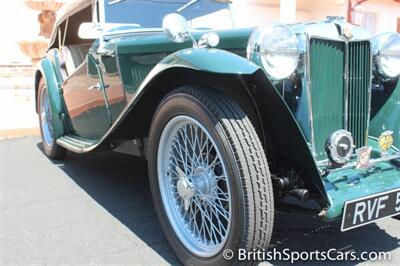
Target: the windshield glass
pixel 142 14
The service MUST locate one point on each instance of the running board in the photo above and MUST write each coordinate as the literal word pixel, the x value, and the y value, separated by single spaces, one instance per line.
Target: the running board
pixel 77 144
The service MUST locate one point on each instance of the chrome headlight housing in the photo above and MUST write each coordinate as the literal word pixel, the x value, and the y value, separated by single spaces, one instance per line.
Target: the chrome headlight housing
pixel 274 47
pixel 386 51
pixel 339 147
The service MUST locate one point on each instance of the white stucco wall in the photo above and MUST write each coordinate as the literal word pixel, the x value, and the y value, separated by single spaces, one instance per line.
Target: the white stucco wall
pixel 387 12
pixel 320 9
pixel 258 12
pixel 17 22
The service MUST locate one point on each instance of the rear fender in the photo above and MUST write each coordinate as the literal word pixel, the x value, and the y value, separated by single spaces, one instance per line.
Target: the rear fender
pixel 52 82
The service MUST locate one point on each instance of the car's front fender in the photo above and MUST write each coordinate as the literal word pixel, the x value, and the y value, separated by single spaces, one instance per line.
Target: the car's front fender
pixel 228 72
pixel 210 60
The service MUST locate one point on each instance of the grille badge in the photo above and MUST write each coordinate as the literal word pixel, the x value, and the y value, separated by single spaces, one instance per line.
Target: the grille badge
pixel 363 157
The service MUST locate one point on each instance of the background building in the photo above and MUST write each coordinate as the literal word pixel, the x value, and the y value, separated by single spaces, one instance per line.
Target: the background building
pixel 376 15
pixel 18 22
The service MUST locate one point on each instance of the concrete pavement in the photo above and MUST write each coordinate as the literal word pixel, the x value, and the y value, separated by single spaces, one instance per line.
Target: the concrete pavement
pixel 97 209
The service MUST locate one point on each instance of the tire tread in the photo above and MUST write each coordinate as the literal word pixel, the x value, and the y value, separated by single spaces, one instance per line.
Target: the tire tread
pixel 254 172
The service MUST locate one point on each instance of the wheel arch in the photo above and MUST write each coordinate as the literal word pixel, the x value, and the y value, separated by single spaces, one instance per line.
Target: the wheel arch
pixel 47 73
pixel 38 77
pixel 231 85
pixel 258 98
pixel 212 68
pixel 48 70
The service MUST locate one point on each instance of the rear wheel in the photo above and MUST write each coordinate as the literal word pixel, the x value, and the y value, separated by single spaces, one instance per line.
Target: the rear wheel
pixel 50 147
pixel 209 177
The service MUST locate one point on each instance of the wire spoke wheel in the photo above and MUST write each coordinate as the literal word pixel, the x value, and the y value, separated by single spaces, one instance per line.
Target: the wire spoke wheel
pixel 45 118
pixel 194 186
pixel 50 147
pixel 209 177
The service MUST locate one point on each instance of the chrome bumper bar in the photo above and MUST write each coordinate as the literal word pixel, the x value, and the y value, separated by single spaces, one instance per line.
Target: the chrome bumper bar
pixel 372 163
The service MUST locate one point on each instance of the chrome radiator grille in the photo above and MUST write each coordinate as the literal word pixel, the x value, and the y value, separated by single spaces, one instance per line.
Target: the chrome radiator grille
pixel 359 78
pixel 340 81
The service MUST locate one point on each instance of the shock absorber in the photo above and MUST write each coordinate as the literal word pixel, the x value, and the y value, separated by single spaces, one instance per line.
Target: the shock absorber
pixel 289 186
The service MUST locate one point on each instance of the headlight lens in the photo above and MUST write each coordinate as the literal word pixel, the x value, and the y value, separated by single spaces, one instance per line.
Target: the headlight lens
pixel 386 49
pixel 275 48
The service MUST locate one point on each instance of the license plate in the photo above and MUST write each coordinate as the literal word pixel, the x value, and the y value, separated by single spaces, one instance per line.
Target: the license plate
pixel 366 210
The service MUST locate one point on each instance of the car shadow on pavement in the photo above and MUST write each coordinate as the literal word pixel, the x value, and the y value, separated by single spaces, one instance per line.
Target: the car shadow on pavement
pixel 119 183
pixel 301 233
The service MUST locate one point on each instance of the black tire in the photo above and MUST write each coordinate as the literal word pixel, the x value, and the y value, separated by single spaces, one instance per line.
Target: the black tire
pixel 397 217
pixel 53 151
pixel 247 168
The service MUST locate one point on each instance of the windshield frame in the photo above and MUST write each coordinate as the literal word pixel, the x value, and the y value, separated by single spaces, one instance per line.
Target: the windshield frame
pixel 100 18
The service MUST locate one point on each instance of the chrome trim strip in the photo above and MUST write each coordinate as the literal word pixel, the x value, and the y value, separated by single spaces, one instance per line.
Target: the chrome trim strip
pixel 69 146
pixel 108 35
pixel 328 30
pixel 346 85
pixel 307 74
pixel 369 91
pixel 326 162
pixel 67 143
pixel 372 163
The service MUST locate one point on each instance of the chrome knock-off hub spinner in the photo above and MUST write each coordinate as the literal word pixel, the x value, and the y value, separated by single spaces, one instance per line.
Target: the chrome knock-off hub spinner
pixel 205 183
pixel 185 191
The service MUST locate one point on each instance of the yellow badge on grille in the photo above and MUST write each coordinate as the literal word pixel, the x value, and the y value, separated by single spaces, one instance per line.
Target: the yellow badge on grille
pixel 385 141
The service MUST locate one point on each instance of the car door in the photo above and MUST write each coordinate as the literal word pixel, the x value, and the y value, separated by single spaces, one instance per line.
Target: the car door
pixel 84 96
pixel 114 92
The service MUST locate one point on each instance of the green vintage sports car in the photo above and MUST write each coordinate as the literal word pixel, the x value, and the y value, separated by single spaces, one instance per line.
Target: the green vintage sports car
pixel 234 123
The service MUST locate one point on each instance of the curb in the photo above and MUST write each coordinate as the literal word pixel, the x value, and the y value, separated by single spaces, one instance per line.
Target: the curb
pixel 19 132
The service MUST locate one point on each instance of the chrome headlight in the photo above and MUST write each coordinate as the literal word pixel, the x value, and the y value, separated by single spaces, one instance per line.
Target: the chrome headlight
pixel 275 48
pixel 386 50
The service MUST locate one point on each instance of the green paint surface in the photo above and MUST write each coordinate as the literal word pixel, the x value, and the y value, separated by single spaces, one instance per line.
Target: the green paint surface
pixel 327 90
pixel 359 83
pixel 388 117
pixel 55 98
pixel 353 184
